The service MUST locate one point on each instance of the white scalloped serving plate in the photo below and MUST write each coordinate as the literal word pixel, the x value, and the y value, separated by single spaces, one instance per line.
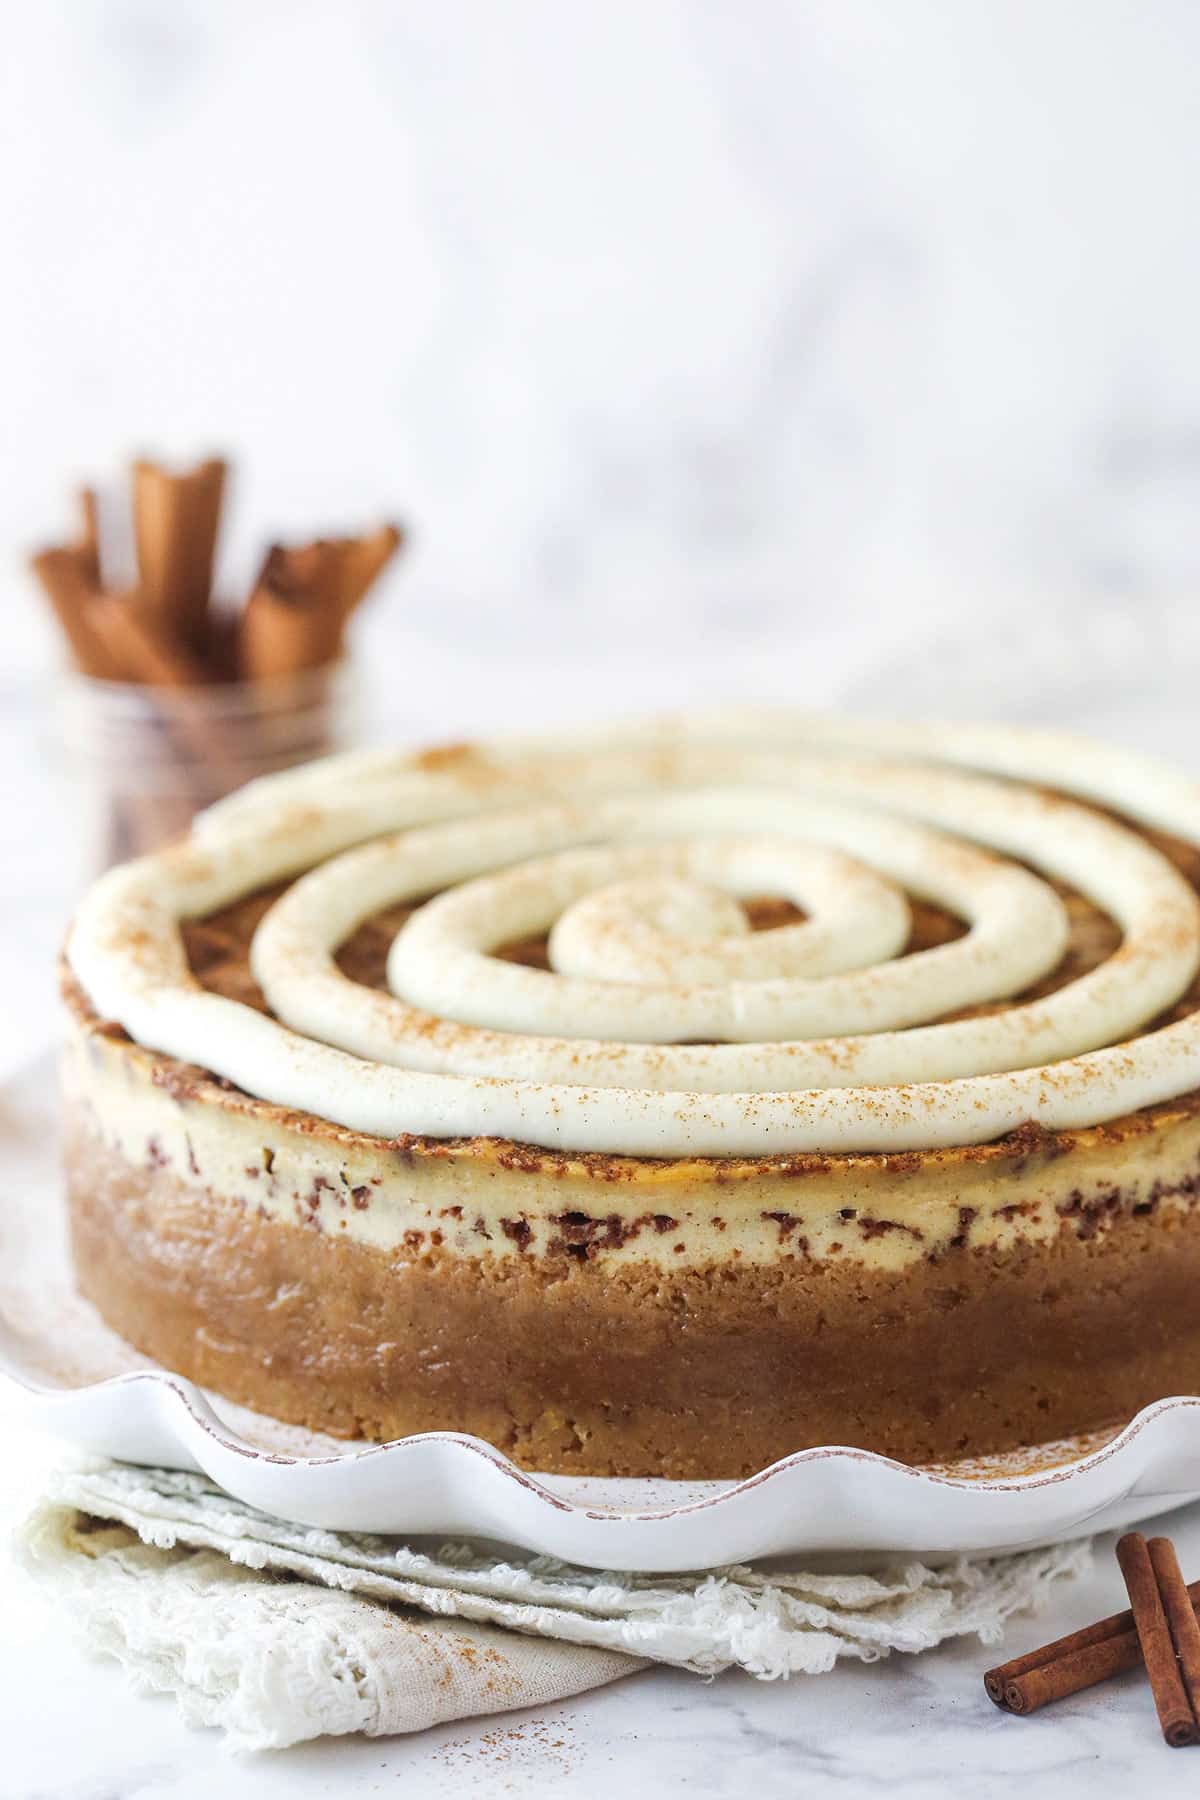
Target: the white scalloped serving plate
pixel 76 1378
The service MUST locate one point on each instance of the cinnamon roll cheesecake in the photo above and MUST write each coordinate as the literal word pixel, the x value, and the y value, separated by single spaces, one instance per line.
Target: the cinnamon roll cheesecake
pixel 659 1102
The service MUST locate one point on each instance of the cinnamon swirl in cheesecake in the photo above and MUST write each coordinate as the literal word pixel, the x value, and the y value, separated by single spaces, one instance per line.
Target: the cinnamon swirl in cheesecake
pixel 659 1102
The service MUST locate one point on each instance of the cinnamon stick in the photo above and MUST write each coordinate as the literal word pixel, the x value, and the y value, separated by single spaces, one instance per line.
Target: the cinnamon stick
pixel 63 574
pixel 1175 1714
pixel 292 619
pixel 1075 1662
pixel 140 645
pixel 1068 1665
pixel 175 521
pixel 191 739
pixel 361 561
pixel 1084 1668
pixel 1181 1619
pixel 89 535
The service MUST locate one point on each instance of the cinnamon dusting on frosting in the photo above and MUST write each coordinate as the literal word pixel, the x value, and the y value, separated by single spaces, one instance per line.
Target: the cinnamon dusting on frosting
pixel 1070 1024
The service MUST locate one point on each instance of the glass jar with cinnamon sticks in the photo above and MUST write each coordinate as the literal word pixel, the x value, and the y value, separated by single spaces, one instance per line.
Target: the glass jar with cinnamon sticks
pixel 174 700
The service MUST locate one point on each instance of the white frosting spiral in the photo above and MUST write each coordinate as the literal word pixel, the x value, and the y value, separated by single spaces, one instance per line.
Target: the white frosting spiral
pixel 665 1026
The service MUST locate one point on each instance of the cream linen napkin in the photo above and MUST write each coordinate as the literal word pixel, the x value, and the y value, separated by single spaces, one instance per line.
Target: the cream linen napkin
pixel 279 1633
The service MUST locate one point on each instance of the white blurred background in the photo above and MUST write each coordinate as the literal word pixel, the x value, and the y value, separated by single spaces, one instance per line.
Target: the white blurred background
pixel 845 352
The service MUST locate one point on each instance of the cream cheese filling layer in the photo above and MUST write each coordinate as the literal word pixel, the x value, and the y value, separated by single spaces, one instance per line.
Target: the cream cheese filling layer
pixel 629 850
pixel 677 1216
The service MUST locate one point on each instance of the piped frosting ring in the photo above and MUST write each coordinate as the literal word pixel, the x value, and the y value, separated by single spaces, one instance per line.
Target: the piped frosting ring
pixel 633 853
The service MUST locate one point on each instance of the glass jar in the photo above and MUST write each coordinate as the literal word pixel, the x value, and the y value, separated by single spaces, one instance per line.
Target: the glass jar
pixel 142 761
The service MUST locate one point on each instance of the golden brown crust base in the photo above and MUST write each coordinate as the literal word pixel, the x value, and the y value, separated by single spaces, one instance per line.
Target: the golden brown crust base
pixel 698 1372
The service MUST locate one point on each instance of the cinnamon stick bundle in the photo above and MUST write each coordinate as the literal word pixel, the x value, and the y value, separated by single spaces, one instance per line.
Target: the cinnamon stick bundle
pixel 1160 1629
pixel 185 740
pixel 162 633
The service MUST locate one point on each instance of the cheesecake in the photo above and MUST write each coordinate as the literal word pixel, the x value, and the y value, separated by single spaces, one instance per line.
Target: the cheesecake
pixel 659 1100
